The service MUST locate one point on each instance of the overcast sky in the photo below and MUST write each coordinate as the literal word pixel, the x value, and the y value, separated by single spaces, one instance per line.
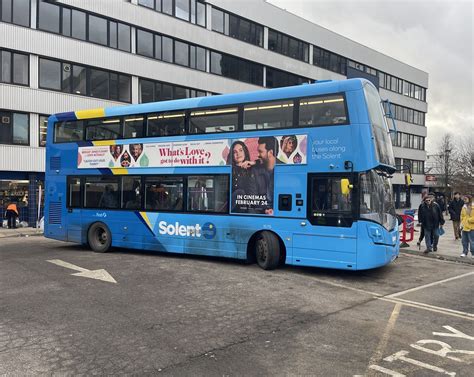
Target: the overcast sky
pixel 434 36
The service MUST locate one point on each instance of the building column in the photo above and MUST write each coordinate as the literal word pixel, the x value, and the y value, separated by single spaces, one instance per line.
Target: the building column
pixel 265 38
pixel 33 13
pixel 208 16
pixel 135 90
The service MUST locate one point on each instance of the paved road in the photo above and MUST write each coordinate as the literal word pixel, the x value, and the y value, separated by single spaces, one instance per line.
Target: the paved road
pixel 192 316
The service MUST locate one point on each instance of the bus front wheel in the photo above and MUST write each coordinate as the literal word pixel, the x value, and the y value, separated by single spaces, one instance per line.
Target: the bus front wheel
pixel 99 237
pixel 267 250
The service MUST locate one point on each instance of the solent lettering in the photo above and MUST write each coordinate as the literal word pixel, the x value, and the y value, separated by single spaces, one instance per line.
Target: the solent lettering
pixel 179 230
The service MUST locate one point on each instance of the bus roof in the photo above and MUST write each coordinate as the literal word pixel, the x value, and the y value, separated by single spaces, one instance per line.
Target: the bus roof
pixel 304 90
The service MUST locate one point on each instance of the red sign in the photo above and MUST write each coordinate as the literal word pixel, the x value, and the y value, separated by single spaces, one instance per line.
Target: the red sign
pixel 431 178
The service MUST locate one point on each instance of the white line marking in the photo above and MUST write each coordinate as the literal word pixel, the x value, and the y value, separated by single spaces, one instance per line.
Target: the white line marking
pixel 435 307
pixel 401 355
pixel 386 371
pixel 346 287
pixel 85 273
pixel 71 266
pixel 454 333
pixel 378 353
pixel 429 285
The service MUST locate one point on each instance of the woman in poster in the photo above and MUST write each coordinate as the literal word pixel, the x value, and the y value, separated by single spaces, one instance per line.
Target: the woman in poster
pixel 115 151
pixel 288 150
pixel 125 160
pixel 243 179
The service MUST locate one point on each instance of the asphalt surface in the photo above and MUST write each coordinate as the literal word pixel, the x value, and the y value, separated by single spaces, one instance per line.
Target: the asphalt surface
pixel 176 315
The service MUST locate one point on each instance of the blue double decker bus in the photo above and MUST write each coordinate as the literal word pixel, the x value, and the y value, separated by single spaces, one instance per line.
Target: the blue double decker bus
pixel 297 175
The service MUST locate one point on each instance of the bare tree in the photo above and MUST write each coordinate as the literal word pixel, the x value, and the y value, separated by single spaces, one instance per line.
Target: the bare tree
pixel 445 161
pixel 463 177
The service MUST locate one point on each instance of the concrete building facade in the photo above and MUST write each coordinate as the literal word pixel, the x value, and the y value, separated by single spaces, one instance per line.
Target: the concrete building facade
pixel 64 55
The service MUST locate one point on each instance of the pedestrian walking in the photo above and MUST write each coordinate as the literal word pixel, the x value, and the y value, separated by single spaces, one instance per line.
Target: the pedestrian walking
pixel 422 232
pixel 454 208
pixel 11 215
pixel 431 219
pixel 467 225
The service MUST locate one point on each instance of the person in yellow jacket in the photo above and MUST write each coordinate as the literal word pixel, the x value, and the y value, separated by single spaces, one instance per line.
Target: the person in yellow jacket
pixel 467 226
pixel 12 214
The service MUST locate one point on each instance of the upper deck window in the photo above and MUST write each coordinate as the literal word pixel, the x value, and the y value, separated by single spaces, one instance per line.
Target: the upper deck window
pixel 104 129
pixel 166 124
pixel 267 115
pixel 322 111
pixel 214 120
pixel 68 131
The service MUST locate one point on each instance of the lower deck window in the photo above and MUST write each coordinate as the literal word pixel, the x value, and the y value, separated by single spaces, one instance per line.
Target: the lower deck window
pixel 207 193
pixel 101 192
pixel 164 193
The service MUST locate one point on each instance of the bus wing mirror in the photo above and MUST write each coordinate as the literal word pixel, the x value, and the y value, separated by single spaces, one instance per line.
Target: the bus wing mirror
pixel 346 186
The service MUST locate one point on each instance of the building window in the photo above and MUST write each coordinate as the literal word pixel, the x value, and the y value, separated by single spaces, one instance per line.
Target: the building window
pixel 237 27
pixel 289 46
pixel 14 68
pixel 154 91
pixel 276 78
pixel 56 18
pixel 14 128
pixel 236 68
pixel 88 81
pixel 328 60
pixel 193 11
pixel 43 127
pixel 15 11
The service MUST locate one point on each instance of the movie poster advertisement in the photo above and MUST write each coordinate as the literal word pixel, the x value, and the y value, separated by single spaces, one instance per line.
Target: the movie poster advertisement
pixel 139 155
pixel 253 163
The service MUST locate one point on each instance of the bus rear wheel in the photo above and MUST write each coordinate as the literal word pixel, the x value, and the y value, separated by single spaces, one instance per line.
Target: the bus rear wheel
pixel 99 237
pixel 267 250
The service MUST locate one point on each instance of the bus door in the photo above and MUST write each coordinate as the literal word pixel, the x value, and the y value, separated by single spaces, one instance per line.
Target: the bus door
pixel 328 237
pixel 73 204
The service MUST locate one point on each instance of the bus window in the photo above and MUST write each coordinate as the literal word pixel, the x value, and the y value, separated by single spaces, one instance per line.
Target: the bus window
pixel 319 111
pixel 133 126
pixel 131 192
pixel 164 193
pixel 103 129
pixel 101 192
pixel 207 193
pixel 328 205
pixel 166 124
pixel 68 131
pixel 74 197
pixel 214 120
pixel 268 115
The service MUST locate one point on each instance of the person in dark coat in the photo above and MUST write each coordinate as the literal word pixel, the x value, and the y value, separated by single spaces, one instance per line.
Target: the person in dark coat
pixel 454 209
pixel 431 219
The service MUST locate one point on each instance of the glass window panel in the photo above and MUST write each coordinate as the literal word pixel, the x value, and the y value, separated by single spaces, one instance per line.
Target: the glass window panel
pixel 144 43
pixel 217 20
pixel 201 58
pixel 124 37
pixel 167 6
pixel 164 193
pixel 43 127
pixel 48 17
pixel 192 57
pixel 20 69
pixel 125 84
pixel 327 197
pixel 50 74
pixel 147 91
pixel 66 77
pixel 131 192
pixel 214 120
pixel 98 30
pixel 66 22
pixel 200 14
pixel 208 193
pixel 158 54
pixel 99 83
pixel 21 129
pixel 167 49
pixel 113 88
pixel 182 9
pixel 74 199
pixel 147 3
pixel 6 10
pixel 322 111
pixel 180 92
pixel 78 24
pixel 268 115
pixel 181 53
pixel 5 127
pixel 113 34
pixel 216 61
pixel 226 23
pixel 133 126
pixel 166 124
pixel 79 80
pixel 158 5
pixel 68 131
pixel 21 12
pixel 104 129
pixel 6 68
pixel 101 192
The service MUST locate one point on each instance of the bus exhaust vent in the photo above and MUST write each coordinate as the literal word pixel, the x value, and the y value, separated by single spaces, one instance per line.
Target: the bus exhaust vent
pixel 55 163
pixel 55 213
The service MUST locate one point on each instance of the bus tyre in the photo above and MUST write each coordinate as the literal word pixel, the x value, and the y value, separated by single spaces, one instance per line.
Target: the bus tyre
pixel 99 237
pixel 267 250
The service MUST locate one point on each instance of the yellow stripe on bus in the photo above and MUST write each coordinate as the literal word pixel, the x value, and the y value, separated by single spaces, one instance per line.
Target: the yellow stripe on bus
pixel 119 171
pixel 92 113
pixel 147 220
pixel 103 142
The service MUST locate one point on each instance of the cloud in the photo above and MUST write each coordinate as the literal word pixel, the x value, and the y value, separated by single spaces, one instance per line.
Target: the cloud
pixel 434 36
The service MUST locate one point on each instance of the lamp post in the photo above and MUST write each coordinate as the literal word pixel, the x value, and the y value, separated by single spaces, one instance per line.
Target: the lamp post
pixel 446 175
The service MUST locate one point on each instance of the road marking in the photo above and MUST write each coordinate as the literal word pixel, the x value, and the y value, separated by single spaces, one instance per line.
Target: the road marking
pixel 346 287
pixel 454 333
pixel 85 273
pixel 401 355
pixel 429 285
pixel 390 372
pixel 377 356
pixel 435 307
